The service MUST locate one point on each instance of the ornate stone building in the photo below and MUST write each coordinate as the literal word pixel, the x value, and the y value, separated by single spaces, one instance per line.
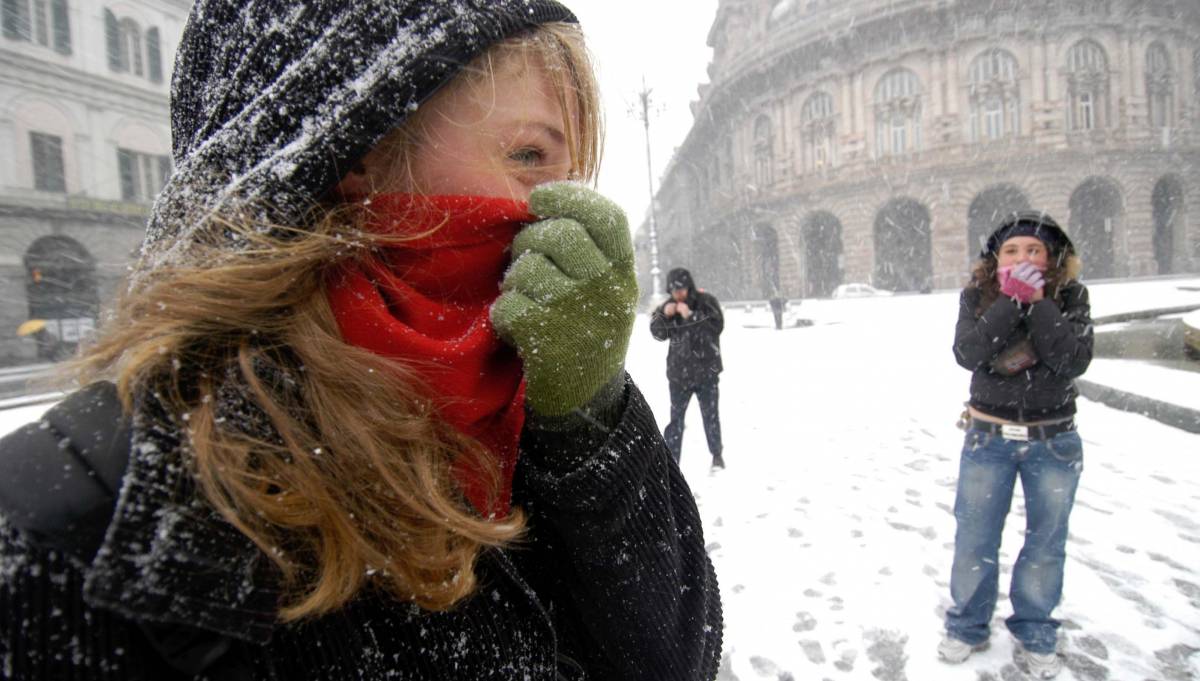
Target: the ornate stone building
pixel 84 148
pixel 854 140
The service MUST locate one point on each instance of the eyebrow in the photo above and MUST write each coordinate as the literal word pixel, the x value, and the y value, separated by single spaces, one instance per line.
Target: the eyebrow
pixel 554 131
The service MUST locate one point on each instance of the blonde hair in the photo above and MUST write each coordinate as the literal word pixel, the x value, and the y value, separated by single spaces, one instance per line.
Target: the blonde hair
pixel 560 50
pixel 352 485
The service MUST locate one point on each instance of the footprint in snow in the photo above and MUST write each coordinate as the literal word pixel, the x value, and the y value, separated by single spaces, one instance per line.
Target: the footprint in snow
pixel 886 650
pixel 1092 646
pixel 1167 561
pixel 812 650
pixel 804 622
pixel 1085 668
pixel 1191 591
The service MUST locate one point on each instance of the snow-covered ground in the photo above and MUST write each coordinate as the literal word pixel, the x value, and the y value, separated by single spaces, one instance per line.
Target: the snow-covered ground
pixel 832 530
pixel 1143 378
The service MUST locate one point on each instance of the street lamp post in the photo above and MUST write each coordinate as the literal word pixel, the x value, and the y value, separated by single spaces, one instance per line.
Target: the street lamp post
pixel 655 272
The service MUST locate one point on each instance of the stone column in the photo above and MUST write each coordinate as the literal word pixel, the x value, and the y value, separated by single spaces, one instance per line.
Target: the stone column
pixel 1133 236
pixel 948 235
pixel 8 140
pixel 1191 217
pixel 1036 95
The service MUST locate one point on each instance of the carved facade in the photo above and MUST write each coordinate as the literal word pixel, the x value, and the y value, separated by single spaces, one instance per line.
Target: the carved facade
pixel 84 148
pixel 843 141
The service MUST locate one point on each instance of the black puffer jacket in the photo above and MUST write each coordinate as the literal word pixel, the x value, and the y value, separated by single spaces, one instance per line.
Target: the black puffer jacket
pixel 1060 331
pixel 171 581
pixel 694 357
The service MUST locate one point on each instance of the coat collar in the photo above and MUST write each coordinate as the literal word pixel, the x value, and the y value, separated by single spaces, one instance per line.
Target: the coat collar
pixel 168 556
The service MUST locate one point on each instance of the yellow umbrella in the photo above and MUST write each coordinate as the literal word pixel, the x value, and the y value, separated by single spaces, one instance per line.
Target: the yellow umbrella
pixel 30 327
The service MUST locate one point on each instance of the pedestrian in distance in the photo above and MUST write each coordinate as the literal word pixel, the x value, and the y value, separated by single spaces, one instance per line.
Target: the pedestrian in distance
pixel 777 304
pixel 1025 333
pixel 692 321
pixel 362 411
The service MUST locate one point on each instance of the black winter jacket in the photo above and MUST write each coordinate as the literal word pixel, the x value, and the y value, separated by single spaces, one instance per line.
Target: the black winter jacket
pixel 1061 334
pixel 612 581
pixel 694 357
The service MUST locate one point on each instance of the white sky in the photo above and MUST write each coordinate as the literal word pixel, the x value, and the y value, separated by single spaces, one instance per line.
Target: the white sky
pixel 664 41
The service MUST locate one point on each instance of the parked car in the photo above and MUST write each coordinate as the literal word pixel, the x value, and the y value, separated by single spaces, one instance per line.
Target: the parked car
pixel 1191 334
pixel 859 291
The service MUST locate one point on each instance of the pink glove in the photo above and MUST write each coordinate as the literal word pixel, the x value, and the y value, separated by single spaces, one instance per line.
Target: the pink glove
pixel 1021 282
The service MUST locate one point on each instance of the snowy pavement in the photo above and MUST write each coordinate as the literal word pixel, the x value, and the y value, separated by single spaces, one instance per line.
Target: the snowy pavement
pixel 832 528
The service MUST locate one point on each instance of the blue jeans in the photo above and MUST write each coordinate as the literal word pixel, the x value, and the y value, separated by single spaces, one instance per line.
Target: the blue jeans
pixel 1049 472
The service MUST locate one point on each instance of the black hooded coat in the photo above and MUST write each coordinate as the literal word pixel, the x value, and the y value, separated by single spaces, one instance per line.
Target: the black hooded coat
pixel 113 566
pixel 694 357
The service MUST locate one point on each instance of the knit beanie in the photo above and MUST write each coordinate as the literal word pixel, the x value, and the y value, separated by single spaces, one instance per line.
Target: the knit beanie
pixel 1030 223
pixel 272 102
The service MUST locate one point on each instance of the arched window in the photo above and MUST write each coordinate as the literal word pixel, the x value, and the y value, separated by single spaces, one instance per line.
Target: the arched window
pixel 45 22
pixel 1160 86
pixel 1087 86
pixel 763 156
pixel 131 51
pixel 131 45
pixel 818 132
pixel 897 113
pixel 995 96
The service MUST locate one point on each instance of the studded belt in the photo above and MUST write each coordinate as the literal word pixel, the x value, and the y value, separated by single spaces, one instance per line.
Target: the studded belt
pixel 1024 433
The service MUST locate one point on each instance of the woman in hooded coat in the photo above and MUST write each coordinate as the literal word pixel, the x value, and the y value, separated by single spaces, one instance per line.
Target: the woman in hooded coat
pixel 1025 332
pixel 362 411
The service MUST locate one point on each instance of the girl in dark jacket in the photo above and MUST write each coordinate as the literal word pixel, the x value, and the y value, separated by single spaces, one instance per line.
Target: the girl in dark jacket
pixel 1025 333
pixel 315 444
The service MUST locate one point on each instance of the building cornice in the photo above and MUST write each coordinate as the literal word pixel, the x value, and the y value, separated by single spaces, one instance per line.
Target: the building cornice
pixel 790 52
pixel 68 207
pixel 55 80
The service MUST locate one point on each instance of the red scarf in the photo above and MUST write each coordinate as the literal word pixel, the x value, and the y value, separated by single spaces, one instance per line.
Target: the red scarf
pixel 426 302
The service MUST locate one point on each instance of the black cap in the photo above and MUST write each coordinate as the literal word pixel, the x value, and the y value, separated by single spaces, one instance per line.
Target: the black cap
pixel 679 278
pixel 272 102
pixel 1029 223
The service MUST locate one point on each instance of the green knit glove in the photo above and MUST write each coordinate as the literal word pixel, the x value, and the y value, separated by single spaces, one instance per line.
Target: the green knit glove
pixel 569 298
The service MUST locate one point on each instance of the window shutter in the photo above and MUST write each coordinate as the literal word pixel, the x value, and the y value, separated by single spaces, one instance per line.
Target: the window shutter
pixel 127 170
pixel 112 38
pixel 62 27
pixel 47 154
pixel 15 15
pixel 153 56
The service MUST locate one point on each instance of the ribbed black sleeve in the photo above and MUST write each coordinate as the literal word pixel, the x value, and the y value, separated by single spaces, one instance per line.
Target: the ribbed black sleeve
pixel 48 632
pixel 616 550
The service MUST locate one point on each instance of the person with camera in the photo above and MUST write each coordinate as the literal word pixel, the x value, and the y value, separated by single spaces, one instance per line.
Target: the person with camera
pixel 692 321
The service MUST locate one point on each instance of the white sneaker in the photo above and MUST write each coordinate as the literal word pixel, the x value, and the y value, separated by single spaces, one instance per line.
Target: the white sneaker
pixel 1041 665
pixel 955 651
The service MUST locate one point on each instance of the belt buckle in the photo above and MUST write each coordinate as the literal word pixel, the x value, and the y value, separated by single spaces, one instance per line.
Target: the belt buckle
pixel 1011 432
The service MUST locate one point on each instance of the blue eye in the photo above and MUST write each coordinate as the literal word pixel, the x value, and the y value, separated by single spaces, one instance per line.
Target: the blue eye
pixel 527 156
